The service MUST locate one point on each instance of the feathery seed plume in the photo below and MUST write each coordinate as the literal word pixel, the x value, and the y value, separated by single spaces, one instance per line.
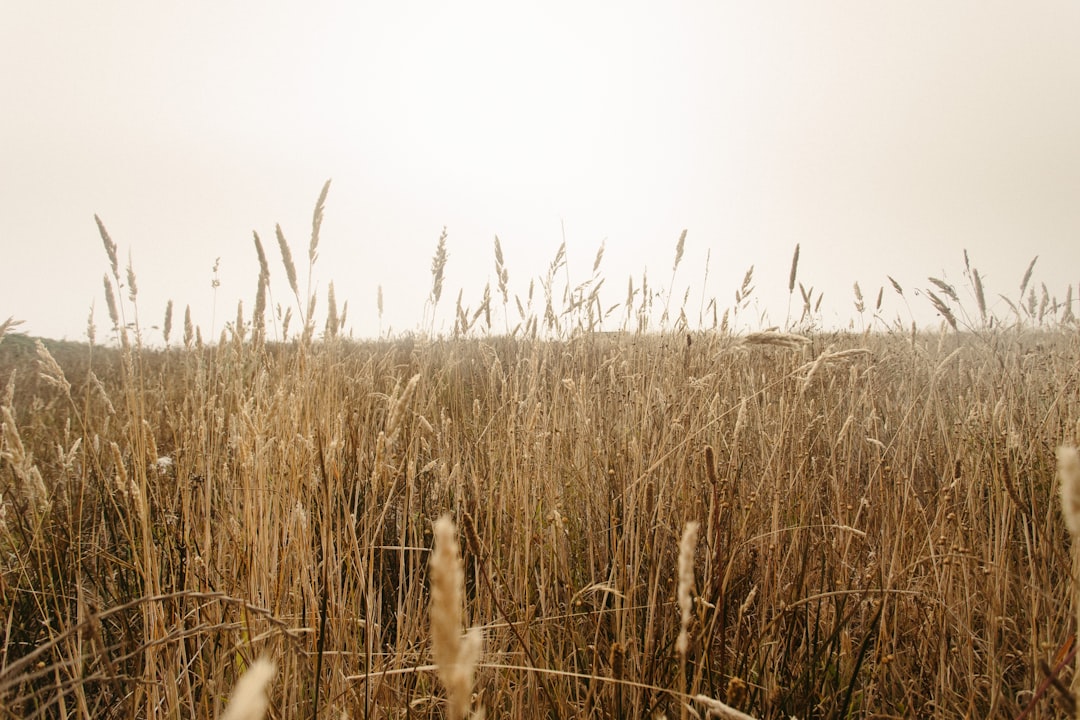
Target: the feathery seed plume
pixel 1069 476
pixel 12 322
pixel 249 701
pixel 794 270
pixel 316 224
pixel 167 329
pixel 287 261
pixel 438 266
pixel 110 299
pixel 110 246
pixel 679 246
pixel 1027 276
pixel 455 656
pixel 686 583
pixel 133 289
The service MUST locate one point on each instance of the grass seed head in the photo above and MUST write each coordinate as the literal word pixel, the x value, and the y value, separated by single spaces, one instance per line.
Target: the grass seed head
pixel 1069 477
pixel 455 656
pixel 249 700
pixel 686 583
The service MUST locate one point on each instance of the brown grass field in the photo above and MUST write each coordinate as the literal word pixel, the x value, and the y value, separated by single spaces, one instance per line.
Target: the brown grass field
pixel 880 534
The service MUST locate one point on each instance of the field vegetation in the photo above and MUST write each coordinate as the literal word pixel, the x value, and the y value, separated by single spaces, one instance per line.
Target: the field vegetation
pixel 667 520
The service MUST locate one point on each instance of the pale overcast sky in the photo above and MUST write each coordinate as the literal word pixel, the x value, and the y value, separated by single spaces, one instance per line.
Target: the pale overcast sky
pixel 885 137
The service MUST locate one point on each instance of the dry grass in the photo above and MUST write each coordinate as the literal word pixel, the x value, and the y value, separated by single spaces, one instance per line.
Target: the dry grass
pixel 879 528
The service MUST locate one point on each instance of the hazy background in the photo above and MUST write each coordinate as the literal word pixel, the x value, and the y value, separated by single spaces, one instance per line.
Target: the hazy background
pixel 883 137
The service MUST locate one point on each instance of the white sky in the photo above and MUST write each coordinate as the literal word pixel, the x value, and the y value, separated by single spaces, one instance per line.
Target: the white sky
pixel 883 137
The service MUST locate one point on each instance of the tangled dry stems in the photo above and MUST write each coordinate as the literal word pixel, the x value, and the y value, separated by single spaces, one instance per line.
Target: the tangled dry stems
pixel 863 533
